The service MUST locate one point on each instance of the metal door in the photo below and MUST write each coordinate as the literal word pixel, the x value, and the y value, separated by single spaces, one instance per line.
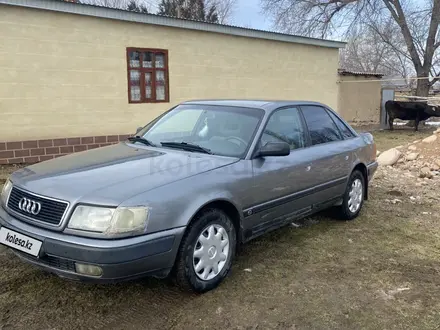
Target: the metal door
pixel 387 95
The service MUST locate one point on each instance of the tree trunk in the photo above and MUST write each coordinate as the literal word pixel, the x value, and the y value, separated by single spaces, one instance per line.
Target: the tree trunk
pixel 422 87
pixel 421 90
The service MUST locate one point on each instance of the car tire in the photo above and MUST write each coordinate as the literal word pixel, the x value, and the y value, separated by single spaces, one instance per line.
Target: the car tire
pixel 354 196
pixel 195 271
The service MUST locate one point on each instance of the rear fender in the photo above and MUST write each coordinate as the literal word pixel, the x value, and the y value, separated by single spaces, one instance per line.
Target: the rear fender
pixel 370 146
pixel 365 155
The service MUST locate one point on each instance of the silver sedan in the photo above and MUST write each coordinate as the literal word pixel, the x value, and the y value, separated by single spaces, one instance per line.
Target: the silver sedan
pixel 182 193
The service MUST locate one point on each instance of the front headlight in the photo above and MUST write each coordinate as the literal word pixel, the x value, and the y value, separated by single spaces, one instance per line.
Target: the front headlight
pixel 110 221
pixel 7 187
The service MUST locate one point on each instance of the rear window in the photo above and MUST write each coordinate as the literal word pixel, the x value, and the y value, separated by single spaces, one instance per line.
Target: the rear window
pixel 345 131
pixel 321 127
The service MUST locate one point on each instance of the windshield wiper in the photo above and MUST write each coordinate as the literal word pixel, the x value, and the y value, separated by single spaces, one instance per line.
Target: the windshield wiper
pixel 141 140
pixel 186 146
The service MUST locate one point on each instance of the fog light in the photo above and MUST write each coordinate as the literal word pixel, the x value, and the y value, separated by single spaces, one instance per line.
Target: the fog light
pixel 88 269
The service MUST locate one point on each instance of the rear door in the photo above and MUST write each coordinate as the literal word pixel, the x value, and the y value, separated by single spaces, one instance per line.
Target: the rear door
pixel 332 153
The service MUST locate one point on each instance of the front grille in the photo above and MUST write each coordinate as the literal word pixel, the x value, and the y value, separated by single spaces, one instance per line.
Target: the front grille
pixel 51 211
pixel 51 261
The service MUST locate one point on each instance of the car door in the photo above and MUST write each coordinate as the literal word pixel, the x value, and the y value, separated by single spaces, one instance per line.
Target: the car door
pixel 332 155
pixel 280 183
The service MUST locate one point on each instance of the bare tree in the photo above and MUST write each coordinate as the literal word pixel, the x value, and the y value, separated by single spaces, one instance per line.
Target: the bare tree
pixel 133 5
pixel 224 8
pixel 119 4
pixel 366 51
pixel 416 22
pixel 141 6
pixel 189 9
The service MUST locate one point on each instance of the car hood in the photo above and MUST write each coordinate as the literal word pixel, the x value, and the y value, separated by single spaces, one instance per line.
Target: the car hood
pixel 112 174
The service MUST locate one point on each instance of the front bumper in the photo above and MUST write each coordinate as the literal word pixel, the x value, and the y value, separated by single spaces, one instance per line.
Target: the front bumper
pixel 121 259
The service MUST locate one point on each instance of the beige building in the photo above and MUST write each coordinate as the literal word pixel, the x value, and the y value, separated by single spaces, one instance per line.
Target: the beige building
pixel 359 99
pixel 77 76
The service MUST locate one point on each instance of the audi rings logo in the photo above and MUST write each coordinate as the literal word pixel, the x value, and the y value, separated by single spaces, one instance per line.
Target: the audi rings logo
pixel 29 206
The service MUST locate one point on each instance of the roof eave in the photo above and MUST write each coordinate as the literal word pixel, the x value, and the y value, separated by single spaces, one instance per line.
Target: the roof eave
pixel 122 15
pixel 360 74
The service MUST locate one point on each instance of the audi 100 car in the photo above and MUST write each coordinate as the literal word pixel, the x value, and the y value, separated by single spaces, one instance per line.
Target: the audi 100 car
pixel 185 191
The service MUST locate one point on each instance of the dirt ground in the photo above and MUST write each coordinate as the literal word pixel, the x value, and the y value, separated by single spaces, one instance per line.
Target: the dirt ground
pixel 381 271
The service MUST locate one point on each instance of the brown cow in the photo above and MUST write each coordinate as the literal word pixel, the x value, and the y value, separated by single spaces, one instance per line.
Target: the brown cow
pixel 417 111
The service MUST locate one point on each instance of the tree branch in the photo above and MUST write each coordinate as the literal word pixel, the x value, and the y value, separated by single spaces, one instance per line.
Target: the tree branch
pixel 389 43
pixel 436 76
pixel 399 17
pixel 433 81
pixel 402 26
pixel 430 41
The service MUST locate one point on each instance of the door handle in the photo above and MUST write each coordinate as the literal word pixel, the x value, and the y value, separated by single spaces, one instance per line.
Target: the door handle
pixel 308 168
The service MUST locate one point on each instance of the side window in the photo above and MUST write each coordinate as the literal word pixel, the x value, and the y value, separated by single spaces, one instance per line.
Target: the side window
pixel 285 126
pixel 321 127
pixel 346 133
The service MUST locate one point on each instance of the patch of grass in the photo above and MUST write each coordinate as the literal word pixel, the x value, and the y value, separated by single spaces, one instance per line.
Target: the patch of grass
pixel 386 139
pixel 379 271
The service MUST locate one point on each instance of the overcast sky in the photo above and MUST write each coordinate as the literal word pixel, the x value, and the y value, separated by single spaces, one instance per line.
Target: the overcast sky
pixel 248 14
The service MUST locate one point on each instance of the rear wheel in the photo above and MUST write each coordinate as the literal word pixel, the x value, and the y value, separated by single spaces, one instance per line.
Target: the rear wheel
pixel 206 252
pixel 354 197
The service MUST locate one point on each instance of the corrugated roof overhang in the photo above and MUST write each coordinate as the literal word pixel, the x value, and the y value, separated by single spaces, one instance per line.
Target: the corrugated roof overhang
pixel 124 15
pixel 344 72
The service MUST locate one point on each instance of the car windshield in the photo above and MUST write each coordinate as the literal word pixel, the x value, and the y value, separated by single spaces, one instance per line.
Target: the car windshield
pixel 219 130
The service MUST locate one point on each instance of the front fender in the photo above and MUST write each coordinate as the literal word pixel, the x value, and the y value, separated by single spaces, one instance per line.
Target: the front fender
pixel 174 206
pixel 204 201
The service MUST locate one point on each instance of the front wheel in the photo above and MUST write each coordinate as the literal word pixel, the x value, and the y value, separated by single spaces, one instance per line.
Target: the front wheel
pixel 354 197
pixel 206 252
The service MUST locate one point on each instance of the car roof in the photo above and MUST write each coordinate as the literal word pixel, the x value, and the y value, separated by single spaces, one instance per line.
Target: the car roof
pixel 267 105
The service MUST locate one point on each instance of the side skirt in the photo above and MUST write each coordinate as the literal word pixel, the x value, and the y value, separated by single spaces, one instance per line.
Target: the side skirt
pixel 288 218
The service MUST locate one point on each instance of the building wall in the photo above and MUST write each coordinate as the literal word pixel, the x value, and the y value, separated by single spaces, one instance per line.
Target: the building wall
pixel 359 99
pixel 65 75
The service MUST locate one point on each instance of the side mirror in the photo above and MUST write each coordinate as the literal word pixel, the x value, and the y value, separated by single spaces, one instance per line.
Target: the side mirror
pixel 138 129
pixel 274 149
